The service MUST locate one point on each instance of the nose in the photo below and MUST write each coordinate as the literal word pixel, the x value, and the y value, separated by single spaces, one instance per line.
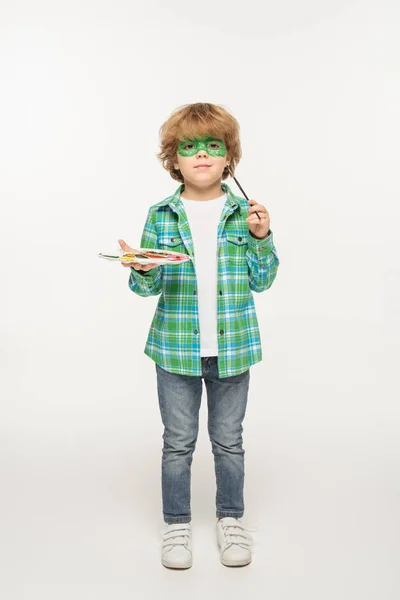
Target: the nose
pixel 202 152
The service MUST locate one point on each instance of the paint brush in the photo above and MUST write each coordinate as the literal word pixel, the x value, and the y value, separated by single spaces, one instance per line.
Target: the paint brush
pixel 241 189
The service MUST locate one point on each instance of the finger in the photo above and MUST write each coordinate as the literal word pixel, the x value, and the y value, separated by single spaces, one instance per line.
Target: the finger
pixel 124 246
pixel 254 202
pixel 139 266
pixel 263 217
pixel 258 208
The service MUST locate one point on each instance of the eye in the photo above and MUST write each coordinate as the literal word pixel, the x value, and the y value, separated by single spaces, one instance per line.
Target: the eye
pixel 188 146
pixel 214 145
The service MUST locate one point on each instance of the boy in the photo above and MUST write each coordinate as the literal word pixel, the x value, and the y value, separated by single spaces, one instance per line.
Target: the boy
pixel 205 325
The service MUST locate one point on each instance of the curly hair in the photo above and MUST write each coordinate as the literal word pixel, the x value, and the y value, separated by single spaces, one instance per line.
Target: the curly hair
pixel 195 120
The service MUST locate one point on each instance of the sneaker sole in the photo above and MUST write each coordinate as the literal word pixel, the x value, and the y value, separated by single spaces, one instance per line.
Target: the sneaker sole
pixel 235 563
pixel 185 565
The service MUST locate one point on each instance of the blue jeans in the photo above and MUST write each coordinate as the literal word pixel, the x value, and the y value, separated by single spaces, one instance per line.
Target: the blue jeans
pixel 179 400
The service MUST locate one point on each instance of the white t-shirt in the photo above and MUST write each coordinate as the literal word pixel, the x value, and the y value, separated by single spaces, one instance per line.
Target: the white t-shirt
pixel 203 218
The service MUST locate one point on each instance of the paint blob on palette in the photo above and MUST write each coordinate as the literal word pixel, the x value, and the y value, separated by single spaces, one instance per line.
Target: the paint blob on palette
pixel 146 256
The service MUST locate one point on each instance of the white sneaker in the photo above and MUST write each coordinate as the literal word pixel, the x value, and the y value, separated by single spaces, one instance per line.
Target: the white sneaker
pixel 234 542
pixel 177 546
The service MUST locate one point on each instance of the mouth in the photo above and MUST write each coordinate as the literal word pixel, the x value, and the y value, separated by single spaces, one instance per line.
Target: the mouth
pixel 202 166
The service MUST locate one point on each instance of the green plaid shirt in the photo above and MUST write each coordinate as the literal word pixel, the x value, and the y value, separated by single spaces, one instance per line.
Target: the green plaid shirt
pixel 245 264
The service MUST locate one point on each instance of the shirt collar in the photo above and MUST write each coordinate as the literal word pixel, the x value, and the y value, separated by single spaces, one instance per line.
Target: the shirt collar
pixel 175 200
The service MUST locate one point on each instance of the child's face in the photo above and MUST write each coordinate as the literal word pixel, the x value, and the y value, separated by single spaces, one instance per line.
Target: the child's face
pixel 204 150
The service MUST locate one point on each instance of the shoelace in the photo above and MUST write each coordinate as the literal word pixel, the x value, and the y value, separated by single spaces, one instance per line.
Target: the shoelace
pixel 177 538
pixel 238 534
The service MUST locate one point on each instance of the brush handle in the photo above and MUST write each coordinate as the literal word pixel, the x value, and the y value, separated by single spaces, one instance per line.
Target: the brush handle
pixel 244 193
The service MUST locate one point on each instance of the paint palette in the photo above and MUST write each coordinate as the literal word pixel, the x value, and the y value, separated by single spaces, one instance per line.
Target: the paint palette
pixel 145 256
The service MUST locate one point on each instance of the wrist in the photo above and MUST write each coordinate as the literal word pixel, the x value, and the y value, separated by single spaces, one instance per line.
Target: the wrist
pixel 258 238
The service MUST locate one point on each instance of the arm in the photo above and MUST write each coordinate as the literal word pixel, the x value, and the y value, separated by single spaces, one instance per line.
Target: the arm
pixel 262 261
pixel 147 283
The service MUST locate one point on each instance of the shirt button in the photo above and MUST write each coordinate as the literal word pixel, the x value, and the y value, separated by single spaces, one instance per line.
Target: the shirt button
pixel 194 292
pixel 220 292
pixel 240 239
pixel 196 331
pixel 172 239
pixel 221 331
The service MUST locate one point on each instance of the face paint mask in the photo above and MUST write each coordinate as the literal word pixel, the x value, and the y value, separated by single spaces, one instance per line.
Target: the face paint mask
pixel 213 146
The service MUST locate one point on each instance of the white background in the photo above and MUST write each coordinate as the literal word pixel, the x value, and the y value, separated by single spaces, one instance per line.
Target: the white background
pixel 85 87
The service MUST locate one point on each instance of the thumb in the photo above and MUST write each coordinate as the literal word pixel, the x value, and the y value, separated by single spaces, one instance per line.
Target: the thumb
pixel 124 245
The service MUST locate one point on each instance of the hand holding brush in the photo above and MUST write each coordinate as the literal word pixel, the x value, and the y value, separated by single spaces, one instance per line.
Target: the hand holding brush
pixel 259 227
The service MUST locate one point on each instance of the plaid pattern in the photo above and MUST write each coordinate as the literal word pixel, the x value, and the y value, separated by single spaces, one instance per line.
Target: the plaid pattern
pixel 245 264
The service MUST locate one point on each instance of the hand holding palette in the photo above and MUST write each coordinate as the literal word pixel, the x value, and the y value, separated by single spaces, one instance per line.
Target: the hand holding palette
pixel 145 256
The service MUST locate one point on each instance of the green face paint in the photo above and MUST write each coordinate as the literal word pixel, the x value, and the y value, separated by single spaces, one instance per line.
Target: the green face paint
pixel 213 146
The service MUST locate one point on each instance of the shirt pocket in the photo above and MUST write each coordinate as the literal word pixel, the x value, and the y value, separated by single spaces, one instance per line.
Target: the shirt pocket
pixel 171 241
pixel 236 246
